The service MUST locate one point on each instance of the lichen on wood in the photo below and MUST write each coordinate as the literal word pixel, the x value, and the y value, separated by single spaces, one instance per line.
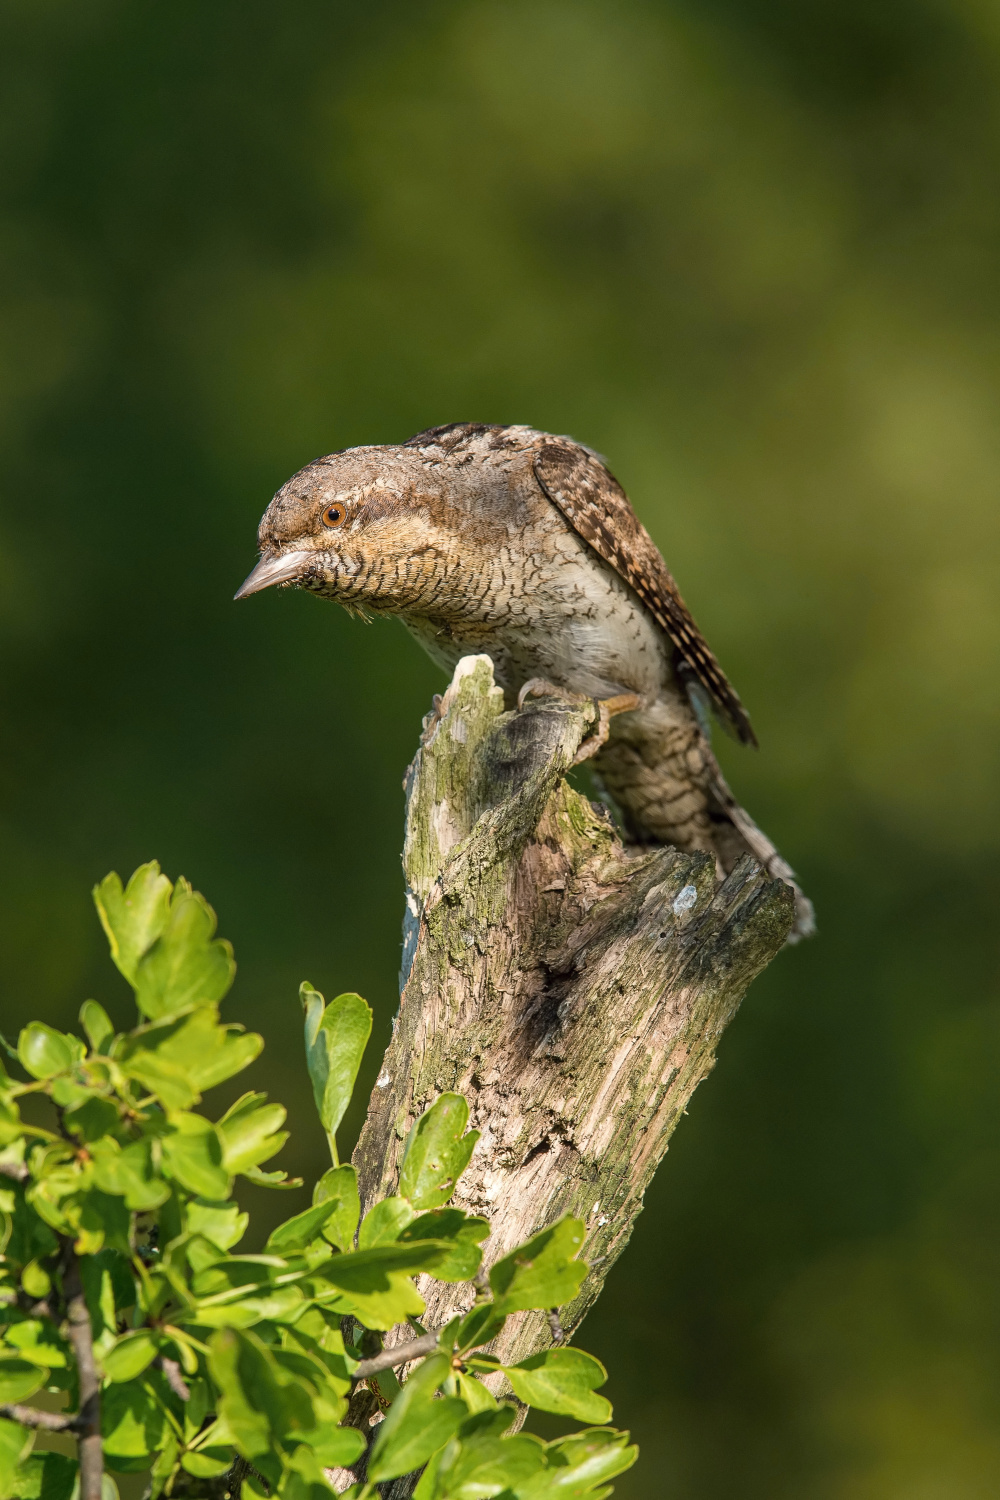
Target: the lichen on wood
pixel 572 989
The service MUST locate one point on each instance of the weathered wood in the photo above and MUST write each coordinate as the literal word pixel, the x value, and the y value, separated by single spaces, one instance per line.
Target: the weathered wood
pixel 572 989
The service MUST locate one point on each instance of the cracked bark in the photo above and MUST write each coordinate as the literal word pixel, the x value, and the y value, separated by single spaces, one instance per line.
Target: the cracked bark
pixel 572 989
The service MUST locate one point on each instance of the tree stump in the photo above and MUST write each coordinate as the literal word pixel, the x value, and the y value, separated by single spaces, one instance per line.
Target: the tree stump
pixel 572 989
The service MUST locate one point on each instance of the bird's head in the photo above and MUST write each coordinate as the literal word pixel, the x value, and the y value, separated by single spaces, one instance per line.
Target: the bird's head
pixel 355 527
pixel 382 529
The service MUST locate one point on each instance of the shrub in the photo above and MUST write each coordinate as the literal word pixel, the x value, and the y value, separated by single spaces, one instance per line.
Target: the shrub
pixel 121 1286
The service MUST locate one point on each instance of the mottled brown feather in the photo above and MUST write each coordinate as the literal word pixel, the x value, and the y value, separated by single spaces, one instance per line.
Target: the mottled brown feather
pixel 597 507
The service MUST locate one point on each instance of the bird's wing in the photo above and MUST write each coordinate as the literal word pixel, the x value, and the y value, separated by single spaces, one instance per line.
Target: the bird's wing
pixel 596 506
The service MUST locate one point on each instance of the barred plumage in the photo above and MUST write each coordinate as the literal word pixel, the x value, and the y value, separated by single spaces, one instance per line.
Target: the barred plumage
pixel 523 545
pixel 596 506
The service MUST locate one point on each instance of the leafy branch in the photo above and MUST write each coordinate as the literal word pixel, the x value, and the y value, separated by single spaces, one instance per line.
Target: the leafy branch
pixel 122 1291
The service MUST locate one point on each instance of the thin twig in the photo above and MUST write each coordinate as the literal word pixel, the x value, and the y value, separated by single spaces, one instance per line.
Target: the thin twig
pixel 30 1416
pixel 35 1308
pixel 400 1354
pixel 175 1379
pixel 81 1336
pixel 236 1475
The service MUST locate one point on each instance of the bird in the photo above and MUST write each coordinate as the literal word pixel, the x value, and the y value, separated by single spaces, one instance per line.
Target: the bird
pixel 521 544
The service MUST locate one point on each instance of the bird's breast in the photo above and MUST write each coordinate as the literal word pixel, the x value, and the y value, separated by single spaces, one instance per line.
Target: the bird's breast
pixel 568 619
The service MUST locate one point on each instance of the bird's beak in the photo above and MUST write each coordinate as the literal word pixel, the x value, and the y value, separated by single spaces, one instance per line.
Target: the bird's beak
pixel 284 568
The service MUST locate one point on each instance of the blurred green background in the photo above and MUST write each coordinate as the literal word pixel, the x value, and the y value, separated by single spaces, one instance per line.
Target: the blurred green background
pixel 751 251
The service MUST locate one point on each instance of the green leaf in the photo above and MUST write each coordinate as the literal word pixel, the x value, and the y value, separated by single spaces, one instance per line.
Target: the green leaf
pixel 108 1288
pixel 184 967
pixel 36 1280
pixel 464 1232
pixel 10 1122
pixel 427 1485
pixel 283 1304
pixel 321 1330
pixel 92 1118
pixel 67 1093
pixel 46 1476
pixel 180 1059
pixel 418 1423
pixel 300 1231
pixel 129 1173
pixel 260 1404
pixel 54 1193
pixel 436 1153
pixel 340 1184
pixel 239 1291
pixel 134 918
pixel 304 1479
pixel 271 1179
pixel 168 1080
pixel 577 1465
pixel 97 1024
pixel 130 1355
pixel 36 1341
pixel 15 1445
pixel 384 1223
pixel 365 1267
pixel 221 1223
pixel 163 1464
pixel 544 1271
pixel 131 1420
pixel 336 1037
pixel 376 1302
pixel 481 1461
pixel 475 1395
pixel 479 1326
pixel 323 1370
pixel 301 1361
pixel 207 1463
pixel 43 1051
pixel 99 1220
pixel 251 1132
pixel 192 1153
pixel 231 1272
pixel 336 1447
pixel 562 1381
pixel 30 1238
pixel 19 1378
pixel 247 1423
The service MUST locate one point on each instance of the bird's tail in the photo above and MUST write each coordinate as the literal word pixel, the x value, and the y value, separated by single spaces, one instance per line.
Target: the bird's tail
pixel 669 788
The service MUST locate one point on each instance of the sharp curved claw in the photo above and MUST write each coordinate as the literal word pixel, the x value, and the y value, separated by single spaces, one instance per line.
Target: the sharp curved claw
pixel 541 687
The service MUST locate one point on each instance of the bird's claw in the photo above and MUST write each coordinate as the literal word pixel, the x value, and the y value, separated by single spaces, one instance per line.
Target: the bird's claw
pixel 541 687
pixel 622 703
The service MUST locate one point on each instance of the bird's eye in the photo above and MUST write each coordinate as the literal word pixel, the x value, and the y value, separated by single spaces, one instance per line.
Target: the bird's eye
pixel 335 514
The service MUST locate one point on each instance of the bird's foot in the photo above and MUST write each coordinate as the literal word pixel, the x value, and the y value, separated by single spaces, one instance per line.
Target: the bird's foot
pixel 622 703
pixel 541 687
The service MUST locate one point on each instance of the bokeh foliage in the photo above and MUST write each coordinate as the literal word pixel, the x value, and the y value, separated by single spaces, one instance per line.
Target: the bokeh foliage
pixel 751 252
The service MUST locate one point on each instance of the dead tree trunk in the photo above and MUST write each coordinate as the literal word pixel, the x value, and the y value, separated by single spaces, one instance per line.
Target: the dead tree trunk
pixel 572 989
